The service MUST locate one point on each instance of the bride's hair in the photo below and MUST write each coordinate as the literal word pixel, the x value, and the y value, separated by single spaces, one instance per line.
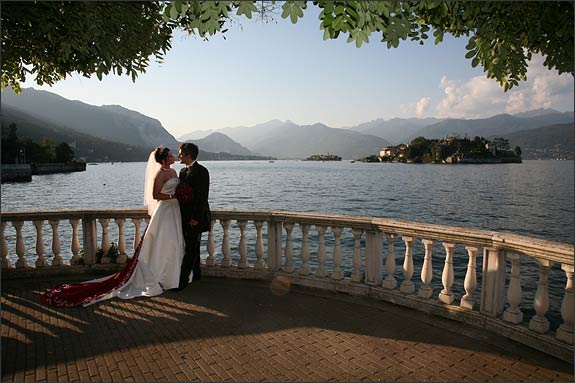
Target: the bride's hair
pixel 161 154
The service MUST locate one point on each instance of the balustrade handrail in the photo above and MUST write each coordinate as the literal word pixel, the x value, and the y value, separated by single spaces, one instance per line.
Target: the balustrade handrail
pixel 539 248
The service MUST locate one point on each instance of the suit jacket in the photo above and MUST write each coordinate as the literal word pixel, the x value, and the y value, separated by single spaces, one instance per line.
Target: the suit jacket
pixel 198 177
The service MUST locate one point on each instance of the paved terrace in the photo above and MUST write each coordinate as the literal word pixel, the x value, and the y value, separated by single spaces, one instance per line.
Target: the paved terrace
pixel 237 330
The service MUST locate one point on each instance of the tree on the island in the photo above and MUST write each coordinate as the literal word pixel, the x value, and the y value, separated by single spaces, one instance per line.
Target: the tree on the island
pixel 517 151
pixel 64 153
pixel 52 40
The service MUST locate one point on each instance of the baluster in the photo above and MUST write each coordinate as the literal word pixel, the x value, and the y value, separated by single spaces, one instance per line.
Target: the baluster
pixel 211 260
pixel 136 222
pixel 243 263
pixel 5 261
pixel 407 286
pixel 565 330
pixel 147 219
pixel 105 239
pixel 40 261
pixel 336 273
pixel 75 244
pixel 288 266
pixel 426 272
pixel 122 257
pixel 539 323
pixel 260 264
pixel 446 296
pixel 513 314
pixel 20 248
pixel 356 275
pixel 57 260
pixel 320 272
pixel 470 283
pixel 226 250
pixel 390 282
pixel 304 270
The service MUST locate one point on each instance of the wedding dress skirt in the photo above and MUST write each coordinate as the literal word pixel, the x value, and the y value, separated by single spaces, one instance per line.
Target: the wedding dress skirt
pixel 154 267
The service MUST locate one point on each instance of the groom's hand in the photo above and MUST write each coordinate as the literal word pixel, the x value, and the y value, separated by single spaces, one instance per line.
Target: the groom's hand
pixel 193 222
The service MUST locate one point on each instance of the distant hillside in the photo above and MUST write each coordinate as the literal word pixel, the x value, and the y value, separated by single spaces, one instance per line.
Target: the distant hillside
pixel 498 125
pixel 284 139
pixel 219 142
pixel 304 141
pixel 91 148
pixel 109 122
pixel 395 130
pixel 555 141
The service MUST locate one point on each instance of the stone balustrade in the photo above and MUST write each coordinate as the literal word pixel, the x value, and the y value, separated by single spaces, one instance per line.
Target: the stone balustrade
pixel 489 295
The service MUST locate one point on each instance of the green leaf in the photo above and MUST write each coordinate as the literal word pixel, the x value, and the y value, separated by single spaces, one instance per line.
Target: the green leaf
pixel 470 54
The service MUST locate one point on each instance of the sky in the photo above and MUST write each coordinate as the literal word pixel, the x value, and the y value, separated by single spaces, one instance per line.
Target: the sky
pixel 279 70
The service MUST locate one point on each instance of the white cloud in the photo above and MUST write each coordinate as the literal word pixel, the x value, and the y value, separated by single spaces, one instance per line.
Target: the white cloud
pixel 480 97
pixel 419 108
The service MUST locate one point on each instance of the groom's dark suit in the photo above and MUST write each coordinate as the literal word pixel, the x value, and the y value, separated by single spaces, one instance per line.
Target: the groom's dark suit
pixel 198 177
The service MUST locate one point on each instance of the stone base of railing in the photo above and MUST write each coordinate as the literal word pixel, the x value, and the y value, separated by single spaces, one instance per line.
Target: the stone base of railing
pixel 47 272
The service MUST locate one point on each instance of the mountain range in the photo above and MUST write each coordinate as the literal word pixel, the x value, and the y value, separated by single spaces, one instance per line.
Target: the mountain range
pixel 46 114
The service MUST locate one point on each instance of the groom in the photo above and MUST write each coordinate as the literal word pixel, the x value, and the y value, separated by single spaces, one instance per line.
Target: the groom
pixel 196 216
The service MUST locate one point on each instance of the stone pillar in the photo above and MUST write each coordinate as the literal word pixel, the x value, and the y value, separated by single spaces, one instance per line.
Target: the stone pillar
pixel 288 265
pixel 446 296
pixel 407 286
pixel 136 222
pixel 470 283
pixel 57 260
pixel 373 261
pixel 274 245
pixel 122 258
pixel 75 245
pixel 260 264
pixel 105 240
pixel 320 272
pixel 226 250
pixel 20 248
pixel 40 261
pixel 304 270
pixel 513 314
pixel 425 291
pixel 565 330
pixel 390 282
pixel 539 323
pixel 211 260
pixel 89 240
pixel 356 276
pixel 337 273
pixel 243 262
pixel 5 261
pixel 493 282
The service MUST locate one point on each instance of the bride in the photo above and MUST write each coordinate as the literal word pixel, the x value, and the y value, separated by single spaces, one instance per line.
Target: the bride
pixel 156 263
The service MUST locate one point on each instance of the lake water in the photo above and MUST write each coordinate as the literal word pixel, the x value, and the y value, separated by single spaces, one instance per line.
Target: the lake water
pixel 535 198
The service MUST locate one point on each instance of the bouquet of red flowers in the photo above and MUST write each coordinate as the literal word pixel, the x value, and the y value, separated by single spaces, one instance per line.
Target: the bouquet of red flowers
pixel 184 193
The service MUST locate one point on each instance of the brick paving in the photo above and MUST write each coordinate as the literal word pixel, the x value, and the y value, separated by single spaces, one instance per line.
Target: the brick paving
pixel 239 330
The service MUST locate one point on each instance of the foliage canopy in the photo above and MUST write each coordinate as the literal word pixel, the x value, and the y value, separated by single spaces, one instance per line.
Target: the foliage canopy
pixel 54 39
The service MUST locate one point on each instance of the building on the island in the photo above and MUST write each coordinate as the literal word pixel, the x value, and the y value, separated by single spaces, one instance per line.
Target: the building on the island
pixel 393 151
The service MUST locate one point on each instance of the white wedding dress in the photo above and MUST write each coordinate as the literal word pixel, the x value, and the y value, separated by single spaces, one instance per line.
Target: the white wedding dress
pixel 161 253
pixel 155 266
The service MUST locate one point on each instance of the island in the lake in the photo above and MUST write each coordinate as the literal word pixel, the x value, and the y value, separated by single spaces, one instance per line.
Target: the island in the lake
pixel 450 150
pixel 323 157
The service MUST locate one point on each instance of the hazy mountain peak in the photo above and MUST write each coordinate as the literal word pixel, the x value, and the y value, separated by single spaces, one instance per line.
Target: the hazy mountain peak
pixel 536 112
